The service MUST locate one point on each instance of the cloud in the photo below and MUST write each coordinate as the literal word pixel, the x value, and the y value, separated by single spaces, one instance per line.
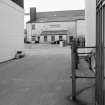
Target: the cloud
pixel 52 5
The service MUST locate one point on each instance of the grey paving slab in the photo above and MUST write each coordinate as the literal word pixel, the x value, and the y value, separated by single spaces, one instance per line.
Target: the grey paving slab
pixel 41 78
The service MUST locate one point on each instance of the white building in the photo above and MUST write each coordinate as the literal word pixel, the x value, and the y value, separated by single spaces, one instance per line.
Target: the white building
pixel 90 12
pixel 58 25
pixel 11 28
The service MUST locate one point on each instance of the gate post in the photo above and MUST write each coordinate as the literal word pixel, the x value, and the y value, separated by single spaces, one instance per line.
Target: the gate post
pixel 100 23
pixel 73 72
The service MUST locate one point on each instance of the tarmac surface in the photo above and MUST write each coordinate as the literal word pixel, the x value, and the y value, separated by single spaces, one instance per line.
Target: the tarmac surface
pixel 42 77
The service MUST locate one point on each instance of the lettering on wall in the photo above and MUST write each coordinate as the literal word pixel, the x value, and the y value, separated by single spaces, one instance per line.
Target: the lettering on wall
pixel 54 26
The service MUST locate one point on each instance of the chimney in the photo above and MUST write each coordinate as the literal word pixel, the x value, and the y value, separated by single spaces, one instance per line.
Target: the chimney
pixel 32 14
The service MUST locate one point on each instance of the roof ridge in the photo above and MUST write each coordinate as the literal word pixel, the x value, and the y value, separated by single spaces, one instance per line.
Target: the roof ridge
pixel 61 11
pixel 59 16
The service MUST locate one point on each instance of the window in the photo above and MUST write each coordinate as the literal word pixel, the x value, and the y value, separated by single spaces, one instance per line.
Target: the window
pixel 71 38
pixel 45 38
pixel 60 37
pixel 52 38
pixel 33 38
pixel 38 38
pixel 33 26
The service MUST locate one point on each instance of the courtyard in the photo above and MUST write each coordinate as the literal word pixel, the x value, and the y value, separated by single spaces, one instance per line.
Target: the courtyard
pixel 42 77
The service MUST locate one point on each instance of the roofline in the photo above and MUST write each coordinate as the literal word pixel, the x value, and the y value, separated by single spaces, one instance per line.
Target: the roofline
pixel 62 11
pixel 57 11
pixel 55 21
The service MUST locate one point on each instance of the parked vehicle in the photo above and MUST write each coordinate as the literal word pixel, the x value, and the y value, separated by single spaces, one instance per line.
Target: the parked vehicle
pixel 28 42
pixel 53 42
pixel 19 54
pixel 56 42
pixel 36 41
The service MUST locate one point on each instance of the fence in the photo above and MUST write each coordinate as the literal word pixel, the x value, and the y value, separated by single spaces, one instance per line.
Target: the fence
pixel 75 58
pixel 100 31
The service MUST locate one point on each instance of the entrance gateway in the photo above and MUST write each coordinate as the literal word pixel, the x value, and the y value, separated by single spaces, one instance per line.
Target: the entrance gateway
pixel 100 51
pixel 100 39
pixel 100 32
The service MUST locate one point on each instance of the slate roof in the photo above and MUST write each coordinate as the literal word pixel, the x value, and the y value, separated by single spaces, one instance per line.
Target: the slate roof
pixel 59 16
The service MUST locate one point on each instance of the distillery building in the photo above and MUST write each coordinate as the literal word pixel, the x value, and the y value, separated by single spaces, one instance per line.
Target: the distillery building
pixel 47 27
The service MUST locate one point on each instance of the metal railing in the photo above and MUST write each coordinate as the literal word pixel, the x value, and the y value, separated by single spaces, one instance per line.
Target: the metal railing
pixel 75 57
pixel 100 32
pixel 100 39
pixel 75 61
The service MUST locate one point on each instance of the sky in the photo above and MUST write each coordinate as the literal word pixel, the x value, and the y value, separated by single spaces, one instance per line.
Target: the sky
pixel 52 5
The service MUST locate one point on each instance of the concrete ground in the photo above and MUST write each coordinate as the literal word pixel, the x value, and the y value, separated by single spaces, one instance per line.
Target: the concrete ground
pixel 43 78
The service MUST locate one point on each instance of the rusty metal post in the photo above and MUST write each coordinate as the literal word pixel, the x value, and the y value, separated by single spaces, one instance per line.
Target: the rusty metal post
pixel 73 73
pixel 100 53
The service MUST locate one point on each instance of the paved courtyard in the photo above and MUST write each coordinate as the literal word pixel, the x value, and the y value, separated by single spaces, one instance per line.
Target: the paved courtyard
pixel 43 78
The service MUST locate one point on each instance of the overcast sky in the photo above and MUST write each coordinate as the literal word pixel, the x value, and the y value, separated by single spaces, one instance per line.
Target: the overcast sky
pixel 53 5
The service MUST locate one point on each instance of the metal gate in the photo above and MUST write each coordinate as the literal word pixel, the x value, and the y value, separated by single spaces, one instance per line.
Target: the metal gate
pixel 100 31
pixel 100 51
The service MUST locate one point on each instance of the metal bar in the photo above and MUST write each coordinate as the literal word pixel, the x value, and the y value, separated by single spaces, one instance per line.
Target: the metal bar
pixel 87 47
pixel 73 75
pixel 84 53
pixel 84 77
pixel 99 59
pixel 97 41
pixel 98 3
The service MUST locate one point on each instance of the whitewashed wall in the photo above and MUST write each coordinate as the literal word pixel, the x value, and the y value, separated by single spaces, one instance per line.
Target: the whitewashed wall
pixel 11 29
pixel 29 31
pixel 39 27
pixel 57 37
pixel 74 28
pixel 81 27
pixel 90 22
pixel 49 38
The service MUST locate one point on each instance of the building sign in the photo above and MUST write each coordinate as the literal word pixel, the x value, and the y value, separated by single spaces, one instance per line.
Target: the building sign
pixel 54 26
pixel 57 32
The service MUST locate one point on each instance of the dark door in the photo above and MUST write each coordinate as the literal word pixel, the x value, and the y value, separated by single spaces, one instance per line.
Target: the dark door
pixel 60 37
pixel 45 38
pixel 70 39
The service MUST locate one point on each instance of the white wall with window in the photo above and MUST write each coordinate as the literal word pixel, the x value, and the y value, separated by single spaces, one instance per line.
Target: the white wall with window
pixel 29 32
pixel 57 37
pixel 52 38
pixel 73 27
pixel 41 39
pixel 64 37
pixel 49 38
